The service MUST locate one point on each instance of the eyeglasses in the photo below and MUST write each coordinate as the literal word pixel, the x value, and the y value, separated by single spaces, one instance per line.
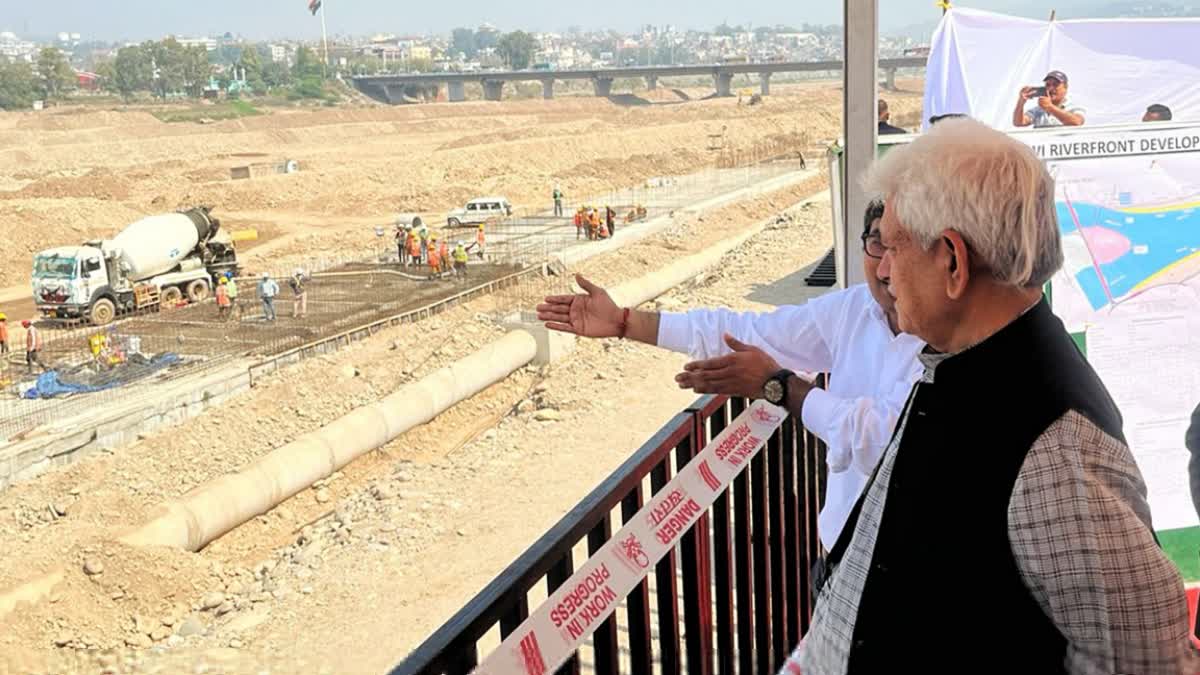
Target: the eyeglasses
pixel 873 245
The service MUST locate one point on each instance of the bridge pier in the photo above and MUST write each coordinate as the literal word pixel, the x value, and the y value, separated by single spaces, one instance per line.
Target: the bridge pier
pixel 547 89
pixel 602 86
pixel 765 80
pixel 493 90
pixel 724 83
pixel 456 92
pixel 889 82
pixel 651 82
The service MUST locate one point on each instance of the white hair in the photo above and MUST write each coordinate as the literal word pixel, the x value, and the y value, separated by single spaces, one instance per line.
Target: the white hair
pixel 992 189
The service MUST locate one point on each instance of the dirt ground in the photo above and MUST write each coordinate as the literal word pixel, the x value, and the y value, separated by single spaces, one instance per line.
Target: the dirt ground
pixel 72 174
pixel 435 484
pixel 351 575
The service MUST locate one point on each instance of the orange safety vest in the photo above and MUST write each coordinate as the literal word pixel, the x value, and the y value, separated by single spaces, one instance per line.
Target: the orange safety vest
pixel 222 296
pixel 444 249
pixel 3 331
pixel 479 238
pixel 414 248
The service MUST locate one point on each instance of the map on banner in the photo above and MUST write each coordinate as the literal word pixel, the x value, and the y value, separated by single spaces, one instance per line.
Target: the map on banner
pixel 1130 225
pixel 1128 206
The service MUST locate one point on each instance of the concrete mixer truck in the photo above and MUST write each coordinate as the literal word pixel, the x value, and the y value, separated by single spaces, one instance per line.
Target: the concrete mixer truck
pixel 157 261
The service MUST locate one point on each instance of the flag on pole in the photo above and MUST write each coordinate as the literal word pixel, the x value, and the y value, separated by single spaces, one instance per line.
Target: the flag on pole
pixel 314 6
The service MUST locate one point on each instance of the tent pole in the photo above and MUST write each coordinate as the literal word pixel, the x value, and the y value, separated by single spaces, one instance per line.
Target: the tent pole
pixel 860 125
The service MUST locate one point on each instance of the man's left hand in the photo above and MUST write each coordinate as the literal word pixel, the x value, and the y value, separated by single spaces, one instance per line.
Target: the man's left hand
pixel 1046 103
pixel 742 373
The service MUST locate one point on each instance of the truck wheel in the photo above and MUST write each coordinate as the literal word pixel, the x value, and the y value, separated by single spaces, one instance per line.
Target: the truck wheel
pixel 453 222
pixel 197 291
pixel 171 296
pixel 103 311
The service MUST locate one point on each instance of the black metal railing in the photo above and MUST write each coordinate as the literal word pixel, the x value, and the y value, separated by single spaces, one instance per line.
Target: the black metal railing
pixel 732 596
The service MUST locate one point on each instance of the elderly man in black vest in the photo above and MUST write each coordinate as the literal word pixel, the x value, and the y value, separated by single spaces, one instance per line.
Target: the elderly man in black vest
pixel 1006 528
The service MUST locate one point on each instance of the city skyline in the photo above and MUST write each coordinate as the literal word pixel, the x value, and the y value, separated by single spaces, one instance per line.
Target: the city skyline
pixel 137 20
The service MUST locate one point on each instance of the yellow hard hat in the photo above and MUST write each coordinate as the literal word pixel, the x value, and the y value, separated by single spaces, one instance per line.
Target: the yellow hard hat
pixel 223 280
pixel 3 316
pixel 481 226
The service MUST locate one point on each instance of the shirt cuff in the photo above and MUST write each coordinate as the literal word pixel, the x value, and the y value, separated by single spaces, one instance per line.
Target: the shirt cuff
pixel 817 412
pixel 674 332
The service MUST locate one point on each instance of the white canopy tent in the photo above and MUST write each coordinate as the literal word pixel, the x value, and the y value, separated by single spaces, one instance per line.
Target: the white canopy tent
pixel 1117 67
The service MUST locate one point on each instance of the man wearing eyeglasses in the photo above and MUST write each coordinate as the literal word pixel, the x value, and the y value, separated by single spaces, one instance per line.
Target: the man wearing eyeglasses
pixel 850 334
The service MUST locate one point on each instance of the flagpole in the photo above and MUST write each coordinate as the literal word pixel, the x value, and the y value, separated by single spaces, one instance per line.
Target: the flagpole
pixel 324 40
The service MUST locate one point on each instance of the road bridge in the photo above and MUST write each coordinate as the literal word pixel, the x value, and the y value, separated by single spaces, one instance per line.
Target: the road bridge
pixel 426 86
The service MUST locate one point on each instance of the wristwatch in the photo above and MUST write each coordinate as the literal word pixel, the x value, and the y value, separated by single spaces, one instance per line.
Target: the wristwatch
pixel 776 388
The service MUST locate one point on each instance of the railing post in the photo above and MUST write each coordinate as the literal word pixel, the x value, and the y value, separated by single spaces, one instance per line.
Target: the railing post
pixel 641 656
pixel 795 566
pixel 697 572
pixel 762 561
pixel 779 573
pixel 742 561
pixel 664 581
pixel 556 577
pixel 723 561
pixel 605 637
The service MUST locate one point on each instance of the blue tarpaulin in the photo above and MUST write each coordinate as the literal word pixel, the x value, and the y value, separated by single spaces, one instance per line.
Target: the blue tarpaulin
pixel 50 384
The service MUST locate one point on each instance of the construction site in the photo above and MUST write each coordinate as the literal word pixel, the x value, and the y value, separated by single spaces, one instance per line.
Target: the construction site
pixel 365 555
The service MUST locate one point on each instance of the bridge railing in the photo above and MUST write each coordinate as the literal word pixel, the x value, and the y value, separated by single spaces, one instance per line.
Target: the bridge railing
pixel 732 596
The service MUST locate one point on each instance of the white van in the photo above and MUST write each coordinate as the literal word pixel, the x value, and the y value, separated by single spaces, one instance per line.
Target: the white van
pixel 479 210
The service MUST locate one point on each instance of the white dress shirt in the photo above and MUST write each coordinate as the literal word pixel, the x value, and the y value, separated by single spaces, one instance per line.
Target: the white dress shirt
pixel 845 334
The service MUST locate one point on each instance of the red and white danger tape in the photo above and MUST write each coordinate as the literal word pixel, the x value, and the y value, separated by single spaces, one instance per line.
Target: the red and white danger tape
pixel 557 628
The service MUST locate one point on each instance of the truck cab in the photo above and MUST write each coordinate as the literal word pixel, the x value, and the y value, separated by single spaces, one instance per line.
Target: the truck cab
pixel 67 279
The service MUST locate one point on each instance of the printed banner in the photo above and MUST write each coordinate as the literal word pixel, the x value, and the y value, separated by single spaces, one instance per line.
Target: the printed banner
pixel 557 628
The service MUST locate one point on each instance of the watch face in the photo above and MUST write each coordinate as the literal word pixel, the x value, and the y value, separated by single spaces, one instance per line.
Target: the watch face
pixel 773 391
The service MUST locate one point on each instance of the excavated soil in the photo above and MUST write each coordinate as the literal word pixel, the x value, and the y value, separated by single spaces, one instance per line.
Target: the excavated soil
pixel 72 174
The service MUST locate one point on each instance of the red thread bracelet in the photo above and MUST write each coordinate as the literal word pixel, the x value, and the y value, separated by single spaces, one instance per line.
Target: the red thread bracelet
pixel 624 323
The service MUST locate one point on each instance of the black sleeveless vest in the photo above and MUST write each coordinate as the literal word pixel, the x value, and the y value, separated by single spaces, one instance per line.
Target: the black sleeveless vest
pixel 943 593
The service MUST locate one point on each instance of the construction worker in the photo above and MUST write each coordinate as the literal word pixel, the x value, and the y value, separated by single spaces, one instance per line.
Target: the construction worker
pixel 423 235
pixel 401 243
pixel 222 298
pixel 299 294
pixel 435 259
pixel 460 261
pixel 267 290
pixel 558 201
pixel 3 333
pixel 593 223
pixel 414 249
pixel 480 242
pixel 97 342
pixel 33 345
pixel 231 290
pixel 610 216
pixel 578 222
pixel 444 254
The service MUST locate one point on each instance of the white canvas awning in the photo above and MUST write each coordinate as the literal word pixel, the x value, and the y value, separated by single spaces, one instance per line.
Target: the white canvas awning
pixel 1117 67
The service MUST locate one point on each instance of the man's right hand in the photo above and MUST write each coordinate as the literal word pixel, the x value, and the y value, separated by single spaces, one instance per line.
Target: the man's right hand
pixel 592 314
pixel 1027 93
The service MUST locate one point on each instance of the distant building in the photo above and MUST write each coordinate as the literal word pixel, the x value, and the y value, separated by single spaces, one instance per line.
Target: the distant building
pixel 279 54
pixel 16 49
pixel 419 53
pixel 209 44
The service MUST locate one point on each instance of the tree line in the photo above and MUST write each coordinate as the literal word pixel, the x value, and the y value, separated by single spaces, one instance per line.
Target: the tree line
pixel 21 84
pixel 162 69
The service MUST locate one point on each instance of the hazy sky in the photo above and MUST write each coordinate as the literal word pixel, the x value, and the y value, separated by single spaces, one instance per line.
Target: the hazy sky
pixel 140 19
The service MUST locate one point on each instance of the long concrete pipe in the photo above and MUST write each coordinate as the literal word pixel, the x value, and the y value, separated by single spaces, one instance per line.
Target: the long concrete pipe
pixel 210 510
